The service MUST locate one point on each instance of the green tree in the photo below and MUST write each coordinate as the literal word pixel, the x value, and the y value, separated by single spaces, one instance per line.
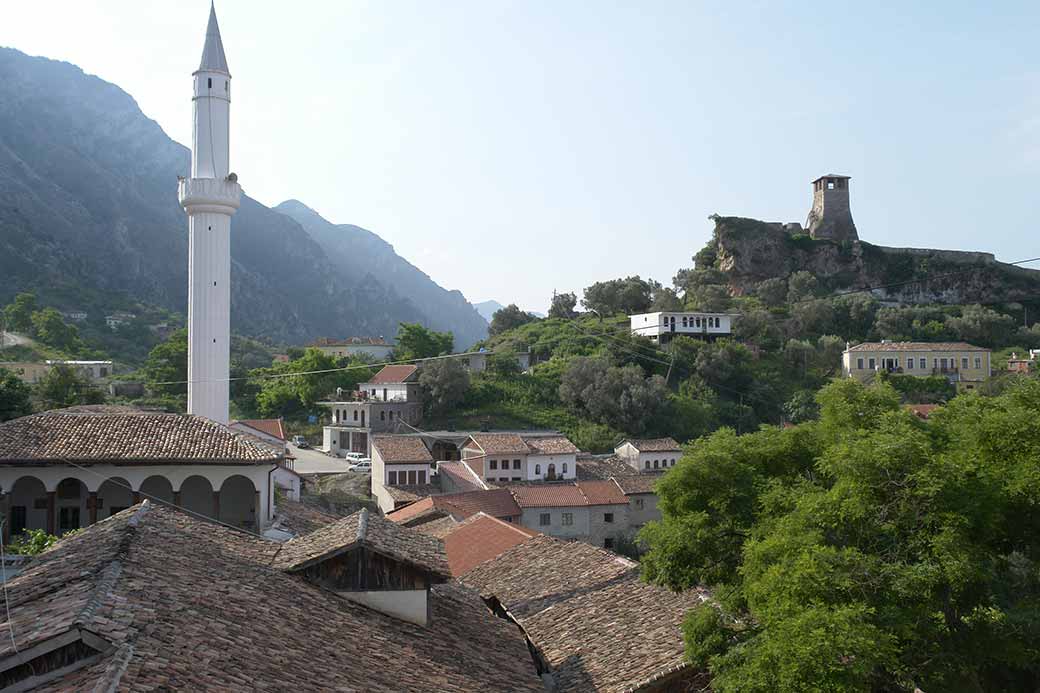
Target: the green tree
pixel 508 318
pixel 629 295
pixel 293 390
pixel 49 327
pixel 168 363
pixel 444 383
pixel 18 314
pixel 801 286
pixel 65 386
pixel 772 292
pixel 417 342
pixel 563 306
pixel 14 396
pixel 622 397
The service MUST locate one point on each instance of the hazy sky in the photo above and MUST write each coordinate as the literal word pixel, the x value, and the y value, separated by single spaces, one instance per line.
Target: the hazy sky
pixel 510 148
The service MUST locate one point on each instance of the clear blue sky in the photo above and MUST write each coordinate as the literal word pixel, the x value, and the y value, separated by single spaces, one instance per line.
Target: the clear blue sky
pixel 510 148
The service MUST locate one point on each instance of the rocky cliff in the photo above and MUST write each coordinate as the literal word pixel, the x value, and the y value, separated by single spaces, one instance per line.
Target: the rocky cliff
pixel 748 251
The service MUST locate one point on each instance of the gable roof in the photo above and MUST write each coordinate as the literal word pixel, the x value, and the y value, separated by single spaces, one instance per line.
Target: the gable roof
pixel 597 625
pixel 272 427
pixel 602 468
pixel 124 436
pixel 497 502
pixel 480 538
pixel 548 495
pixel 461 477
pixel 638 483
pixel 653 444
pixel 915 346
pixel 555 445
pixel 500 443
pixel 602 492
pixel 401 449
pixel 438 528
pixel 364 529
pixel 394 374
pixel 182 603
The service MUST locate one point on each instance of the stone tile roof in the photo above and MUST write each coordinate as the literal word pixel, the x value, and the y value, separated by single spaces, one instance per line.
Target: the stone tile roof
pixel 414 510
pixel 602 492
pixel 409 494
pixel 496 503
pixel 125 437
pixel 191 605
pixel 460 476
pixel 401 449
pixel 589 615
pixel 548 495
pixel 557 445
pixel 480 538
pixel 372 531
pixel 438 528
pixel 639 483
pixel 272 427
pixel 654 444
pixel 602 468
pixel 394 374
pixel 500 443
pixel 916 346
pixel 300 518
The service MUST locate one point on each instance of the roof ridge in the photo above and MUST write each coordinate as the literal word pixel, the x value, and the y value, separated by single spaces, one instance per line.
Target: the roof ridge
pixel 114 569
pixel 362 529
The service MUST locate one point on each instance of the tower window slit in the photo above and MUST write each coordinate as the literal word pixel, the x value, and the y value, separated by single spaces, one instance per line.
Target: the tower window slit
pixel 209 82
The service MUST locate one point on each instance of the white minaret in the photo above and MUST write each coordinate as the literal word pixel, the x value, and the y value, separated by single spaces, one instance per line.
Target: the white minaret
pixel 210 196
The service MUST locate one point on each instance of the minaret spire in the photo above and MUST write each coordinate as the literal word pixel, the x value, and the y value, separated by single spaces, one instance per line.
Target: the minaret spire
pixel 213 57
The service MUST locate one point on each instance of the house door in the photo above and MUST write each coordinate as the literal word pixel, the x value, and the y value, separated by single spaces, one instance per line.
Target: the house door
pixel 551 473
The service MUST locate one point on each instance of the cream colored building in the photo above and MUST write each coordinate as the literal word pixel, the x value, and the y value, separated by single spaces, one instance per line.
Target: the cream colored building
pixel 28 372
pixel 963 364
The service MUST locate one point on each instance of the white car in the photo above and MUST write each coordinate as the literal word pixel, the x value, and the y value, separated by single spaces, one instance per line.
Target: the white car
pixel 364 466
pixel 354 456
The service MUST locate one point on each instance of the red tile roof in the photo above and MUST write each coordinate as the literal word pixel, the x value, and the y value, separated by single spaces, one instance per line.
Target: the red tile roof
pixel 602 492
pixel 401 449
pixel 500 443
pixel 922 411
pixel 460 475
pixel 548 495
pixel 555 445
pixel 394 374
pixel 272 427
pixel 481 538
pixel 412 510
pixel 496 503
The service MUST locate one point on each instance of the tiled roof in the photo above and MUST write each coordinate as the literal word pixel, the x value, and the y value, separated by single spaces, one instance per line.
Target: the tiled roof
pixel 496 502
pixel 922 411
pixel 300 518
pixel 476 465
pixel 438 528
pixel 368 529
pixel 500 443
pixel 916 346
pixel 640 483
pixel 187 604
pixel 460 477
pixel 602 492
pixel 125 437
pixel 602 468
pixel 598 626
pixel 654 444
pixel 394 374
pixel 401 449
pixel 557 445
pixel 272 427
pixel 411 511
pixel 481 538
pixel 548 495
pixel 409 494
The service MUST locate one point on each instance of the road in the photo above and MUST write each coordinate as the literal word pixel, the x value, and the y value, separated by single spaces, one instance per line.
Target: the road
pixel 312 461
pixel 11 339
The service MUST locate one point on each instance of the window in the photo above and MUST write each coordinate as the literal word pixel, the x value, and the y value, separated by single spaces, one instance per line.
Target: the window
pixel 537 469
pixel 978 362
pixel 494 464
pixel 909 363
pixel 639 503
pixel 516 464
pixel 103 371
pixel 422 476
pixel 543 519
pixel 922 363
pixel 382 416
pixel 564 467
pixel 391 416
pixel 870 363
pixel 608 543
pixel 859 363
pixel 684 321
pixel 209 82
pixel 648 464
pixel 673 463
pixel 516 478
pixel 655 464
pixel 566 519
pixel 698 322
pixel 411 477
pixel 964 362
pixel 355 414
pixel 608 517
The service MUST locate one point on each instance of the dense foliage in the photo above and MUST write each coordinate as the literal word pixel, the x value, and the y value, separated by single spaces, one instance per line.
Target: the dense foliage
pixel 15 396
pixel 865 551
pixel 507 318
pixel 417 342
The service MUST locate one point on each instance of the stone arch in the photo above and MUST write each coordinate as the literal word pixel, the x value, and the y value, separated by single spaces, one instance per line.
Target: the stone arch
pixel 28 505
pixel 196 495
pixel 71 509
pixel 113 496
pixel 238 502
pixel 157 488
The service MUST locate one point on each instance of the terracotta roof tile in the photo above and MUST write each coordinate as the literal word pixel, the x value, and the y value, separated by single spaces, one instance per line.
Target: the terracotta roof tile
pixel 916 346
pixel 401 449
pixel 548 495
pixel 596 623
pixel 126 437
pixel 500 443
pixel 640 483
pixel 460 477
pixel 602 468
pixel 654 444
pixel 368 529
pixel 411 511
pixel 394 374
pixel 272 427
pixel 438 528
pixel 556 445
pixel 300 518
pixel 496 502
pixel 602 492
pixel 191 605
pixel 480 538
pixel 410 494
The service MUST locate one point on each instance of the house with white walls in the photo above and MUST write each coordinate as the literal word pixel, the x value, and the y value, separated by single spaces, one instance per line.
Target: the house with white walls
pixel 649 454
pixel 506 457
pixel 390 402
pixel 662 327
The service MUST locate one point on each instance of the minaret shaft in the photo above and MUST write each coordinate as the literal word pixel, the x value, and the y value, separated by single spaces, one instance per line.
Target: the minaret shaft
pixel 210 198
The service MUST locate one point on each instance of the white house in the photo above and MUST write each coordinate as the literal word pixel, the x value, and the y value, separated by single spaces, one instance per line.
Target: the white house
pixel 68 468
pixel 399 461
pixel 94 370
pixel 661 327
pixel 373 347
pixel 390 400
pixel 504 457
pixel 648 455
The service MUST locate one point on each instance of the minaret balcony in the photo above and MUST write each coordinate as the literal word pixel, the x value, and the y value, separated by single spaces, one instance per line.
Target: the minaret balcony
pixel 209 195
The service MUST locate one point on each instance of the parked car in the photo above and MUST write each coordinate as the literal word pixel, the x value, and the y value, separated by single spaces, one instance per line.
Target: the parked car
pixel 300 442
pixel 364 466
pixel 354 456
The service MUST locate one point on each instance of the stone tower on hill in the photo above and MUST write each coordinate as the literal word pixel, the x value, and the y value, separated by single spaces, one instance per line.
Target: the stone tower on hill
pixel 831 217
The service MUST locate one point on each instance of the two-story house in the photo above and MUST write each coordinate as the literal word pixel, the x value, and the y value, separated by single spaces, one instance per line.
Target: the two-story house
pixel 401 470
pixel 595 511
pixel 381 405
pixel 649 455
pixel 506 457
pixel 661 327
pixel 963 364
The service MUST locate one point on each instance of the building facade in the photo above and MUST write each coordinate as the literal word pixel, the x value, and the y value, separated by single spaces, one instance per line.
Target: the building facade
pixel 508 457
pixel 831 215
pixel 372 347
pixel 391 401
pixel 964 365
pixel 401 462
pixel 649 455
pixel 662 327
